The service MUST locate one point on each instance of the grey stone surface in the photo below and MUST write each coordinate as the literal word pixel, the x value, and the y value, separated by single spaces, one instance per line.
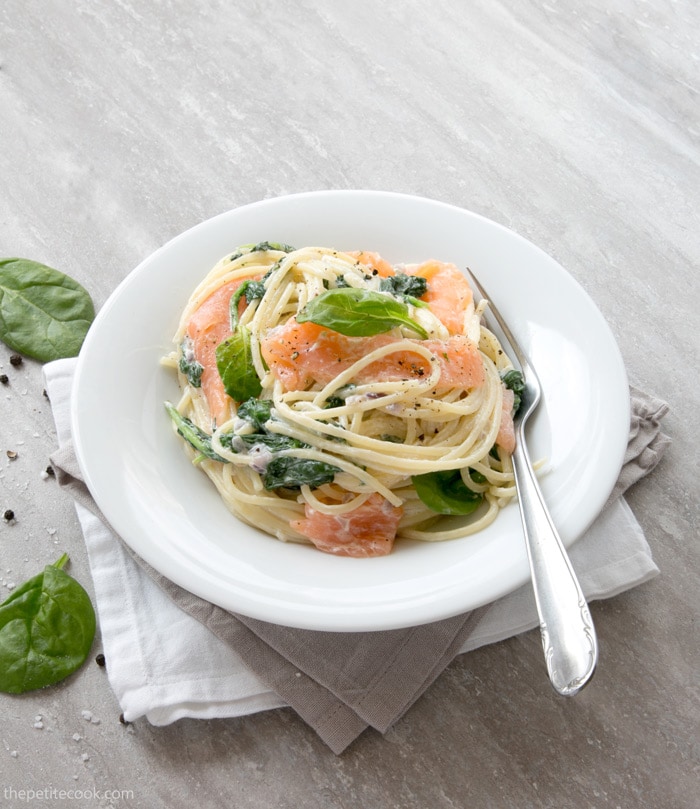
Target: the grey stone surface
pixel 124 123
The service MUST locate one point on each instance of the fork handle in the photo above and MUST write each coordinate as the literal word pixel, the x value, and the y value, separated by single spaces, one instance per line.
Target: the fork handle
pixel 568 635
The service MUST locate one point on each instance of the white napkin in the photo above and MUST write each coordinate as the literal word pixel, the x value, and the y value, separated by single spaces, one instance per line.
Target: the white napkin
pixel 164 665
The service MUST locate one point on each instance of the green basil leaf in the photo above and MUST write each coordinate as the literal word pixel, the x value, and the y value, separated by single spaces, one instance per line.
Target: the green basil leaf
pixel 287 472
pixel 235 363
pixel 358 312
pixel 44 314
pixel 47 627
pixel 194 436
pixel 446 493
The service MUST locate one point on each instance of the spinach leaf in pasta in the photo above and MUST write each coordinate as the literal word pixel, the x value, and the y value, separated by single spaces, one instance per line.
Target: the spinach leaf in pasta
pixel 446 493
pixel 188 364
pixel 515 381
pixel 256 411
pixel 259 247
pixel 194 436
pixel 234 362
pixel 407 287
pixel 287 472
pixel 271 441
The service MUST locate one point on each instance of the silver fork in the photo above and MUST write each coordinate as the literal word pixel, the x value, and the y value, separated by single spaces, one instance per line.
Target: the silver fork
pixel 568 635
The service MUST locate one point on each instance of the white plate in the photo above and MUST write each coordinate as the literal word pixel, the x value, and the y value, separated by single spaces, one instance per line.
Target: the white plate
pixel 170 513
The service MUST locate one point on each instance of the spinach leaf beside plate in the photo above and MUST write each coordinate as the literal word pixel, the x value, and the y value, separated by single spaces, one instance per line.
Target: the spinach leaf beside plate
pixel 47 626
pixel 44 313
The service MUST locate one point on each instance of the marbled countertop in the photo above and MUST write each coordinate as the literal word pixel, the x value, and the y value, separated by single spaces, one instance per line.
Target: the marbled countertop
pixel 576 125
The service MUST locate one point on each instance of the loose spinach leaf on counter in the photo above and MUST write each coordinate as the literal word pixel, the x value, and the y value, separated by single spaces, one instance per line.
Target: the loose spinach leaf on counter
pixel 358 312
pixel 446 493
pixel 44 313
pixel 47 627
pixel 235 364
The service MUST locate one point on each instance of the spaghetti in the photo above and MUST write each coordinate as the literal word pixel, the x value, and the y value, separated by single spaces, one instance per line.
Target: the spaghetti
pixel 335 399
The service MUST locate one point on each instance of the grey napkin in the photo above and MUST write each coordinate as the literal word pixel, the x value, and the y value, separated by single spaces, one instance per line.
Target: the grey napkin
pixel 341 683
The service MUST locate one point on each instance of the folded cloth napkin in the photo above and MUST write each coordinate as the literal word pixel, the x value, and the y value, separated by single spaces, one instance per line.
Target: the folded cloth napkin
pixel 171 654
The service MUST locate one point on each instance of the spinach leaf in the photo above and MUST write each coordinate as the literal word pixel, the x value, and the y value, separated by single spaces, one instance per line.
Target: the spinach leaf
pixel 264 246
pixel 446 493
pixel 244 249
pixel 477 477
pixel 189 366
pixel 358 312
pixel 273 441
pixel 47 627
pixel 333 401
pixel 291 473
pixel 256 411
pixel 404 286
pixel 252 290
pixel 44 314
pixel 515 381
pixel 234 361
pixel 194 436
pixel 282 471
pixel 338 398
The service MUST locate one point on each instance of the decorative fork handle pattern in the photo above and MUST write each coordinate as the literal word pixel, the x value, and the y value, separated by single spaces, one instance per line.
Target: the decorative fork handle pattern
pixel 568 636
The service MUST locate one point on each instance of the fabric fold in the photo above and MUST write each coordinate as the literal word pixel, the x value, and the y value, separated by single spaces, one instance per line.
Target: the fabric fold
pixel 172 654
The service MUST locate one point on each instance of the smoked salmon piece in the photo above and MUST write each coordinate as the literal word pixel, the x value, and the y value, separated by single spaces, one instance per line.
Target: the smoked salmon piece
pixel 506 433
pixel 374 261
pixel 209 326
pixel 448 294
pixel 299 354
pixel 368 530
